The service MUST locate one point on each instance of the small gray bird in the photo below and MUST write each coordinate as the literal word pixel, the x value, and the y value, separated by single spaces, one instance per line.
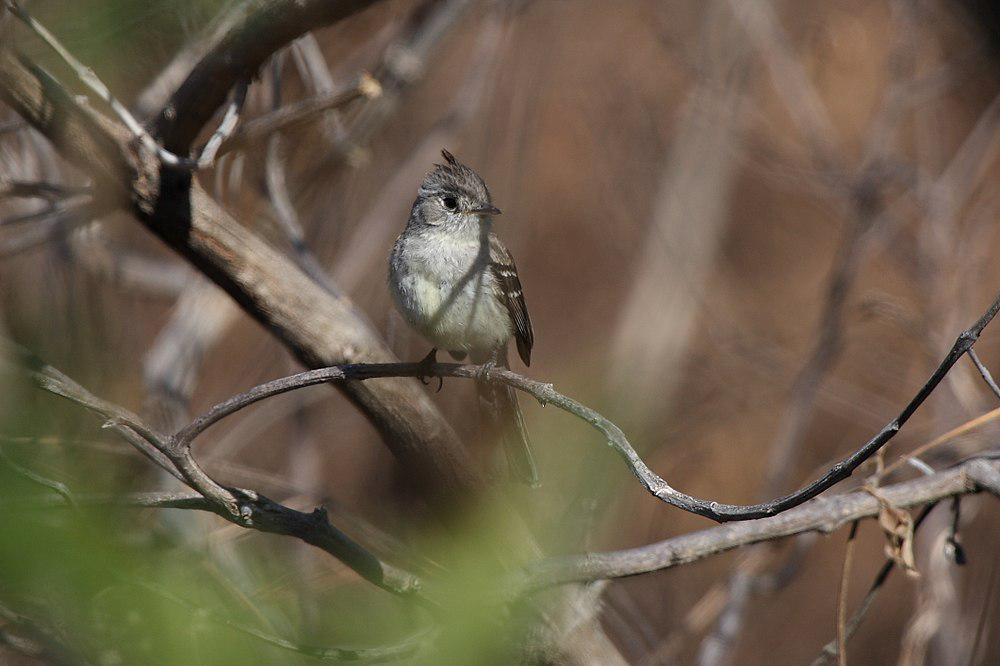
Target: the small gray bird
pixel 456 283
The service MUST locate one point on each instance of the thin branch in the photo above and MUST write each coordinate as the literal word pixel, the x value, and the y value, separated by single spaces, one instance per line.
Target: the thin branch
pixel 118 264
pixel 39 190
pixel 546 394
pixel 984 372
pixel 952 434
pixel 195 501
pixel 226 127
pixel 35 639
pixel 263 27
pixel 845 578
pixel 276 185
pixel 299 113
pixel 257 512
pixel 831 650
pixel 245 508
pixel 58 209
pixel 45 227
pixel 125 423
pixel 56 486
pixel 92 81
pixel 89 78
pixel 824 514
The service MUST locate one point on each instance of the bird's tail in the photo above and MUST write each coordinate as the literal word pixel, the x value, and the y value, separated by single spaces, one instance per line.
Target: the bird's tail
pixel 503 416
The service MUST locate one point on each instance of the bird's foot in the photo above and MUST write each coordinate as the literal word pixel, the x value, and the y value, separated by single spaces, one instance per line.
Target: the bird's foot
pixel 486 369
pixel 427 369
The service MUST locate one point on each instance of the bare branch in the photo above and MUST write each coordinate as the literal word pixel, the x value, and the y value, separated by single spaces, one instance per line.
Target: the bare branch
pixel 845 578
pixel 824 514
pixel 984 372
pixel 614 436
pixel 831 649
pixel 53 485
pixel 300 112
pixel 242 507
pixel 226 128
pixel 264 27
pixel 122 421
pixel 91 80
pixel 319 328
pixel 39 190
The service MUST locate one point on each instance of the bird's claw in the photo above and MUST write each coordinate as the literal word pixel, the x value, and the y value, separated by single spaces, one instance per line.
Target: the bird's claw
pixel 485 370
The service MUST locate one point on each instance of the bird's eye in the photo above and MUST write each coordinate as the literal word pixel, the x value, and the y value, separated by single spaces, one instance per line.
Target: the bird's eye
pixel 451 203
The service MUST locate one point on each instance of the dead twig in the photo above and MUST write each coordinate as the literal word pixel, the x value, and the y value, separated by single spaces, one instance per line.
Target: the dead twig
pixel 845 578
pixel 824 514
pixel 299 113
pixel 832 649
pixel 984 372
pixel 245 508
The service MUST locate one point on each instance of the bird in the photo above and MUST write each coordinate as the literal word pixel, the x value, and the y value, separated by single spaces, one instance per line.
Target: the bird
pixel 455 282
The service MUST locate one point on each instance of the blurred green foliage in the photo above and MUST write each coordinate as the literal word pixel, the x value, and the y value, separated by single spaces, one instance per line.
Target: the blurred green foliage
pixel 111 584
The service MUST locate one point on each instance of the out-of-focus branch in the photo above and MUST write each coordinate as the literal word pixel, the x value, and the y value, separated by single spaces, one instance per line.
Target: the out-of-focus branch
pixel 242 507
pixel 122 266
pixel 319 328
pixel 288 218
pixel 34 639
pixel 264 27
pixel 224 131
pixel 171 366
pixel 402 64
pixel 39 190
pixel 91 80
pixel 299 113
pixel 824 514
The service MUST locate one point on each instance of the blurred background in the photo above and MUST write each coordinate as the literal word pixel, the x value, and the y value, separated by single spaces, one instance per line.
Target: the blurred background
pixel 747 233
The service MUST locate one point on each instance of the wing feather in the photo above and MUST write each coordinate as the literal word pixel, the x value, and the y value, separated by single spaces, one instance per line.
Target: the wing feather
pixel 509 290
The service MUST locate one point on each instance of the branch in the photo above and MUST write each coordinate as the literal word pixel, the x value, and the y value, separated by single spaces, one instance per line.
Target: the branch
pixel 242 507
pixel 91 80
pixel 206 156
pixel 255 511
pixel 299 113
pixel 319 328
pixel 546 394
pixel 266 26
pixel 824 514
pixel 38 190
pixel 984 372
pixel 833 648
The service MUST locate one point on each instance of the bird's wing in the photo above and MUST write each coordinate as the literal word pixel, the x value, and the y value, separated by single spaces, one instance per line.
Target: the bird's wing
pixel 508 290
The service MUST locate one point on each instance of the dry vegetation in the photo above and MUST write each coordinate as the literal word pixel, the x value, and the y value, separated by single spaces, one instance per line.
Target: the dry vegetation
pixel 749 232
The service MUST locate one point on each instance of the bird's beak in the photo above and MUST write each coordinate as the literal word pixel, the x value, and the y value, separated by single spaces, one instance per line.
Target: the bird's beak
pixel 486 210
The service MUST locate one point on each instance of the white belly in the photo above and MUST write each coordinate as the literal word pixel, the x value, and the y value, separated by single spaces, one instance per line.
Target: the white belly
pixel 450 301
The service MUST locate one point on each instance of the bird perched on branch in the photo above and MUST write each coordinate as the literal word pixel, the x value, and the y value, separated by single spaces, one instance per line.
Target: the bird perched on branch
pixel 455 283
